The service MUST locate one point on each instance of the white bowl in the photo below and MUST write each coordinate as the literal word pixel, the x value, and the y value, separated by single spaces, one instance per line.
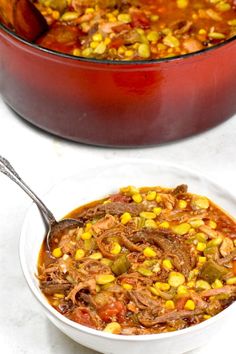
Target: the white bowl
pixel 96 183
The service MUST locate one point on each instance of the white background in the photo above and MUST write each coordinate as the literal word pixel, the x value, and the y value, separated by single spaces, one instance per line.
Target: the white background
pixel 43 160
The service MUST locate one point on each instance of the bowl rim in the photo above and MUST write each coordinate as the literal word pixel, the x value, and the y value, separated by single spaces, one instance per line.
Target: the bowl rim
pixel 115 62
pixel 94 332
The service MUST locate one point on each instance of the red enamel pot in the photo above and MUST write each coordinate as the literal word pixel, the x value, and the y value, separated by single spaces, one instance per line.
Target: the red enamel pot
pixel 118 103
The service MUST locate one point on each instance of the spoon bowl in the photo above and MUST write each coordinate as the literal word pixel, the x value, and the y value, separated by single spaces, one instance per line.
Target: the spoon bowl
pixel 23 17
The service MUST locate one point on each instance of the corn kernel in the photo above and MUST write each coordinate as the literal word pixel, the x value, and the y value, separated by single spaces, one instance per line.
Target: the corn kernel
pixel 200 202
pixel 154 291
pixel 149 252
pixel 69 16
pixel 181 229
pixel 88 226
pixel 201 237
pixel 98 288
pixel 56 15
pixel 125 218
pixel 97 37
pixel 130 190
pixel 232 22
pixel 217 284
pixel 113 327
pixel 193 274
pixel 201 246
pixel 154 18
pixel 196 223
pixel 190 305
pixel 157 210
pixel 57 252
pixel 127 286
pixel 202 285
pixel 144 50
pixel 144 271
pixel 107 40
pixel 169 304
pixel 182 290
pixel 129 53
pixel 223 6
pixel 171 41
pixel 182 4
pixel 125 18
pixel 167 264
pixel 137 198
pixel 231 281
pixel 59 296
pixel 116 248
pixel 151 195
pixel 94 45
pixel 96 255
pixel 89 10
pixel 207 317
pixel 103 279
pixel 201 260
pixel 147 215
pixel 101 48
pixel 162 286
pixel 191 284
pixel 212 224
pixel 176 279
pixel 158 198
pixel 164 225
pixel 150 223
pixel 215 242
pixel 86 235
pixel 79 254
pixel 106 261
pixel 216 35
pixel 202 31
pixel 87 52
pixel 182 204
pixel 153 36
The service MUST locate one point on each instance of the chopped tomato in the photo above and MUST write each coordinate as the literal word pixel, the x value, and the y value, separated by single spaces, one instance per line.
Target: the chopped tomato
pixel 120 28
pixel 116 43
pixel 140 20
pixel 181 302
pixel 114 311
pixel 82 316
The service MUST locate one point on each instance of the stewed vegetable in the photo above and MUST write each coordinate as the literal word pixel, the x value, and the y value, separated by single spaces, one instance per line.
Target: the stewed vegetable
pixel 135 29
pixel 147 260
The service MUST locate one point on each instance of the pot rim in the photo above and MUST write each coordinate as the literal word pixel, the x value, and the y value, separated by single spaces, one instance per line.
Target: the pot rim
pixel 114 62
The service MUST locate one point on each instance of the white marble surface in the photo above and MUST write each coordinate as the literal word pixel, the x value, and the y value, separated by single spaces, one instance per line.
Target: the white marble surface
pixel 42 160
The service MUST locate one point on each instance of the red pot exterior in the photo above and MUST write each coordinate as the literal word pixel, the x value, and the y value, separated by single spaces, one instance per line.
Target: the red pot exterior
pixel 118 104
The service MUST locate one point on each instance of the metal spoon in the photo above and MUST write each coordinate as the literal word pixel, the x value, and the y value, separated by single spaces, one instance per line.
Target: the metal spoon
pixel 23 17
pixel 55 227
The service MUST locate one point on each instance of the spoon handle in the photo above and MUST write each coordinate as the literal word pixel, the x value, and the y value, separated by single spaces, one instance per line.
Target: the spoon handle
pixel 8 170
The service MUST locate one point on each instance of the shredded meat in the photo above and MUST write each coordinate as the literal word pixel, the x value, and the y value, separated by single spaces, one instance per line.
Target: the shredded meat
pixel 113 208
pixel 171 245
pixel 52 287
pixel 228 258
pixel 181 189
pixel 89 284
pixel 145 320
pixel 226 290
pixel 142 299
pixel 104 223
